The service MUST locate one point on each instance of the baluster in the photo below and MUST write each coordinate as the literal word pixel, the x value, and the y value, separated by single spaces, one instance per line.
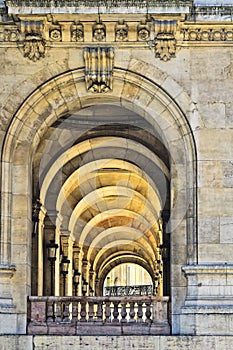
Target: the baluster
pixel 140 312
pixel 115 312
pixel 50 311
pixel 123 312
pixel 107 312
pixel 66 312
pixel 91 311
pixel 99 312
pixel 83 312
pixel 148 312
pixel 74 311
pixel 58 311
pixel 131 312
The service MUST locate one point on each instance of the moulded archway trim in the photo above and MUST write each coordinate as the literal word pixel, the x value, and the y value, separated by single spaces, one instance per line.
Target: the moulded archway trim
pixel 66 94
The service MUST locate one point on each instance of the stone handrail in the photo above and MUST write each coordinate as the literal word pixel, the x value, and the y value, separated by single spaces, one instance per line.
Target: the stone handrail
pixel 98 315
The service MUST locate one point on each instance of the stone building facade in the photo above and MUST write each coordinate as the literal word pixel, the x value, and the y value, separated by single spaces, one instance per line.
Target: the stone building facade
pixel 116 146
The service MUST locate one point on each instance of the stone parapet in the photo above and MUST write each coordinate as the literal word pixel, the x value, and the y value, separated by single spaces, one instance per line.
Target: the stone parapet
pixel 93 6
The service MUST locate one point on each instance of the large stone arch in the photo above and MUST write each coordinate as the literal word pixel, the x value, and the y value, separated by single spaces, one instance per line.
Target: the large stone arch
pixel 66 93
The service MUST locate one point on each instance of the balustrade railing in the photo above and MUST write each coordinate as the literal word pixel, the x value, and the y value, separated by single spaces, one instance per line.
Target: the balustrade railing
pixel 98 315
pixel 141 290
pixel 94 3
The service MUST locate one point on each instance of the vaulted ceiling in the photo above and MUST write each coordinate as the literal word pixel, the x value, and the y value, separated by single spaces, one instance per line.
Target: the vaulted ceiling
pixel 105 173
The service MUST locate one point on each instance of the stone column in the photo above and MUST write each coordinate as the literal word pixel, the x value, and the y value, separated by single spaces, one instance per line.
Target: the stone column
pixel 49 234
pixel 77 258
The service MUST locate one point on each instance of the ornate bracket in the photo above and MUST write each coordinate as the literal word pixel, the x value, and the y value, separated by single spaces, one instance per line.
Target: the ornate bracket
pixel 165 43
pixel 98 68
pixel 34 44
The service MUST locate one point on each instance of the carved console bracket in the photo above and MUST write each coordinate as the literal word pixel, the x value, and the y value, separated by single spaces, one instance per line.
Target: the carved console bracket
pixel 164 42
pixel 34 44
pixel 99 63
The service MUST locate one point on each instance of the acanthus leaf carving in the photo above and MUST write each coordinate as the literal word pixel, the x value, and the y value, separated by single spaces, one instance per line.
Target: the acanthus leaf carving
pixel 34 48
pixel 165 47
pixel 98 68
pixel 164 43
pixel 34 44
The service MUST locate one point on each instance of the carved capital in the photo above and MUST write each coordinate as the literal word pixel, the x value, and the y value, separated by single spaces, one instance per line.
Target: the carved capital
pixel 98 68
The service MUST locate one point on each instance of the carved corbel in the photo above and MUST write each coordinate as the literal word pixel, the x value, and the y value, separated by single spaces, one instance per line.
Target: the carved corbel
pixel 164 42
pixel 144 30
pixel 121 31
pixel 99 31
pixel 98 68
pixel 77 31
pixel 34 44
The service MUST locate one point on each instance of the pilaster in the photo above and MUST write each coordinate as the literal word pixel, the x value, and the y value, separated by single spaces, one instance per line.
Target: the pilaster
pixel 208 307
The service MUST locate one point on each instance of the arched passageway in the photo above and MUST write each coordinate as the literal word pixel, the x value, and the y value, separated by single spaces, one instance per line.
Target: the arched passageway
pixel 102 177
pixel 106 177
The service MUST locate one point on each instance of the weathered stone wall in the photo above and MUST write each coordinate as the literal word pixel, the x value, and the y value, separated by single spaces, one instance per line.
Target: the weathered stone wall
pixel 120 343
pixel 199 81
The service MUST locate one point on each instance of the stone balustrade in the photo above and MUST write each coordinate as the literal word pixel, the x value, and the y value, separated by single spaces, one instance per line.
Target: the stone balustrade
pixel 98 315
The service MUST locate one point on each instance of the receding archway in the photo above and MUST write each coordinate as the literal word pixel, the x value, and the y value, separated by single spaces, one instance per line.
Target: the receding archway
pixel 42 110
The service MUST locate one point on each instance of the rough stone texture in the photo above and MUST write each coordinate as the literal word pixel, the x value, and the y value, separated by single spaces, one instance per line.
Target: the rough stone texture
pixel 116 342
pixel 188 102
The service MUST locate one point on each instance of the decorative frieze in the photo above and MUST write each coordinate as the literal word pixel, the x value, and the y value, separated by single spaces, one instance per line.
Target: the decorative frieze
pixel 55 34
pixel 207 34
pixel 32 34
pixel 98 68
pixel 10 35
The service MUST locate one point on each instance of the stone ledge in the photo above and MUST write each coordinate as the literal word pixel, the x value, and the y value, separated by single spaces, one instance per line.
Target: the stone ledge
pixel 7 270
pixel 208 269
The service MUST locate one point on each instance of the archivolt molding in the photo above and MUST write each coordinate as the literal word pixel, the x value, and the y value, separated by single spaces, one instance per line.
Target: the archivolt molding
pixel 63 94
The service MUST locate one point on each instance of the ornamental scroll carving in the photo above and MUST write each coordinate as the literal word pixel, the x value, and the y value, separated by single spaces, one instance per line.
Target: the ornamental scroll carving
pixel 98 68
pixel 207 34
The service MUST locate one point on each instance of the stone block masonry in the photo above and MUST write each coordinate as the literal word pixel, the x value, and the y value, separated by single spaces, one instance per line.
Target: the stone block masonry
pixel 23 342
